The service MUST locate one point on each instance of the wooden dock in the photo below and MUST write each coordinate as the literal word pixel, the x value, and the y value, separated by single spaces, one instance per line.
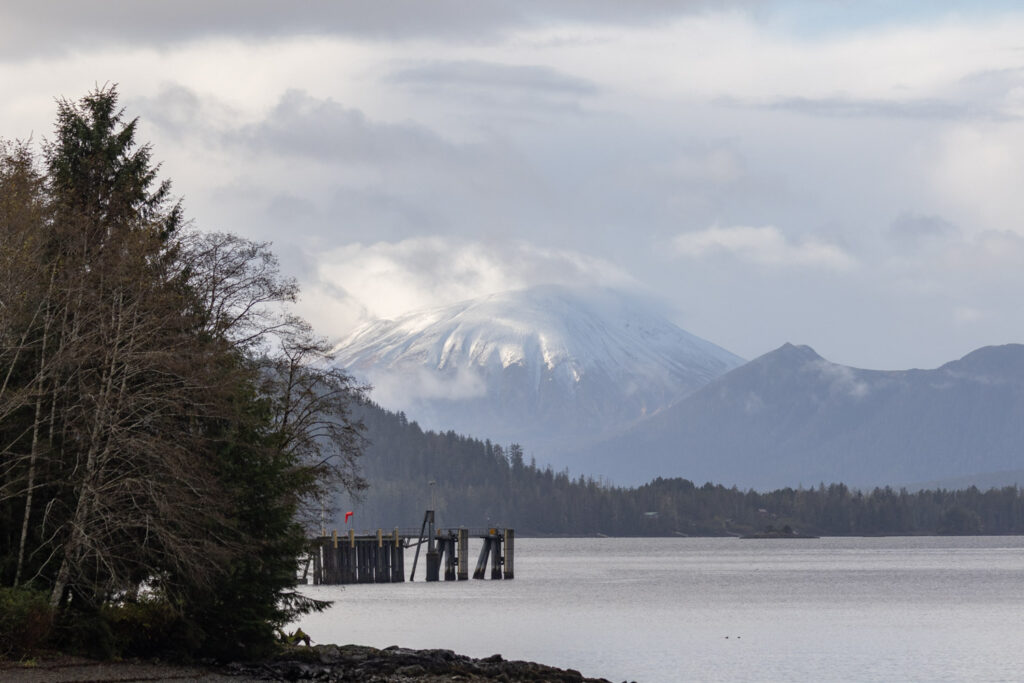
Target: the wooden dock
pixel 379 556
pixel 359 558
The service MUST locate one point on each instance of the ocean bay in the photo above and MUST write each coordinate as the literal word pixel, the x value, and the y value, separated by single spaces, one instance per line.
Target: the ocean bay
pixel 669 609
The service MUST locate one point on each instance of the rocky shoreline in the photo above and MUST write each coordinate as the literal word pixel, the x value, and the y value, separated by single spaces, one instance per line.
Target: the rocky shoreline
pixel 395 664
pixel 318 663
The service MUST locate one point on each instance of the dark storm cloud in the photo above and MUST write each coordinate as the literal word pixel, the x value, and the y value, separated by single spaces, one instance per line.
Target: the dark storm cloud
pixel 853 108
pixel 34 28
pixel 475 74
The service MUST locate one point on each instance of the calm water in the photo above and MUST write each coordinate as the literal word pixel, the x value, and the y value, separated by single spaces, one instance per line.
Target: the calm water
pixel 835 609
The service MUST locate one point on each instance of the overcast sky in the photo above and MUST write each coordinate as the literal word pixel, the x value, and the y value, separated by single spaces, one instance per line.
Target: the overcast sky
pixel 837 174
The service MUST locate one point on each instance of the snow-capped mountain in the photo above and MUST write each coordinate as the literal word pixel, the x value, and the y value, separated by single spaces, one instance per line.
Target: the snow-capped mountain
pixel 547 367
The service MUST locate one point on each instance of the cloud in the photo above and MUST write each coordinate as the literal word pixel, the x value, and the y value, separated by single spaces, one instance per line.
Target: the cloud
pixel 707 166
pixel 966 315
pixel 490 75
pixel 174 109
pixel 975 176
pixel 969 280
pixel 842 380
pixel 846 107
pixel 316 173
pixel 594 127
pixel 127 22
pixel 993 254
pixel 412 387
pixel 302 125
pixel 511 94
pixel 386 279
pixel 764 245
pixel 332 173
pixel 909 229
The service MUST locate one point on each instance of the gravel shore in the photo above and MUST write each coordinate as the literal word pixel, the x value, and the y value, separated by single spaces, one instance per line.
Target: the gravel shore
pixel 318 663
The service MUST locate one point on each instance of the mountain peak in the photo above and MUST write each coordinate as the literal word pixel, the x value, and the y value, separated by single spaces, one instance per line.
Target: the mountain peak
pixel 791 416
pixel 788 355
pixel 538 364
pixel 798 351
pixel 990 361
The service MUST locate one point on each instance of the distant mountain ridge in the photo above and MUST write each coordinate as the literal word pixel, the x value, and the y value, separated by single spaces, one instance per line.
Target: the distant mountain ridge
pixel 791 417
pixel 597 381
pixel 550 367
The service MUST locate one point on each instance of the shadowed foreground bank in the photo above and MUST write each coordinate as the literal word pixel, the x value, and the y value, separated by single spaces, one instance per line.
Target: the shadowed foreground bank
pixel 320 663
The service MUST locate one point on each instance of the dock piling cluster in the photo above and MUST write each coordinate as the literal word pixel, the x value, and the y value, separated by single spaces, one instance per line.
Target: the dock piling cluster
pixel 364 558
pixel 379 556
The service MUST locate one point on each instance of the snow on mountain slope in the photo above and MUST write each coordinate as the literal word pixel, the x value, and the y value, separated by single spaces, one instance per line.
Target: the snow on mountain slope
pixel 542 366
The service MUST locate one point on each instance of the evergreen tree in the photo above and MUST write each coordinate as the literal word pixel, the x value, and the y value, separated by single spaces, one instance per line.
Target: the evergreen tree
pixel 164 421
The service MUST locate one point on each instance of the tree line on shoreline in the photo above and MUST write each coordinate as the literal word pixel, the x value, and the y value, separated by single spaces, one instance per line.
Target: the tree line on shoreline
pixel 166 424
pixel 478 482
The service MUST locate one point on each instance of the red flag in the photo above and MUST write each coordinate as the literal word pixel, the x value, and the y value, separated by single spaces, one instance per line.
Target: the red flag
pixel 347 515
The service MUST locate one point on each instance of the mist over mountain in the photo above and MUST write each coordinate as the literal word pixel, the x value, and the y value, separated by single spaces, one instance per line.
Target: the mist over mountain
pixel 551 367
pixel 791 417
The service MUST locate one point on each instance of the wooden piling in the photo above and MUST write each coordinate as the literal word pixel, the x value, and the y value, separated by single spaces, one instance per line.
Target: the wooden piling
pixel 510 553
pixel 360 563
pixel 495 554
pixel 462 571
pixel 329 575
pixel 433 565
pixel 318 572
pixel 433 556
pixel 351 559
pixel 348 574
pixel 481 563
pixel 449 556
pixel 399 566
pixel 371 562
pixel 383 568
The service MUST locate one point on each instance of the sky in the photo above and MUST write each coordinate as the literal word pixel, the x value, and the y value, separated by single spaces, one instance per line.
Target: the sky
pixel 839 174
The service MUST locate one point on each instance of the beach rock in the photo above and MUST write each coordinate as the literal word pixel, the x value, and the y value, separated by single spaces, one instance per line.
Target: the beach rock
pixel 396 664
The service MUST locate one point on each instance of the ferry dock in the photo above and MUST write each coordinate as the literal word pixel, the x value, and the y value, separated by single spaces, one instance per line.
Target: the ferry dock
pixel 378 556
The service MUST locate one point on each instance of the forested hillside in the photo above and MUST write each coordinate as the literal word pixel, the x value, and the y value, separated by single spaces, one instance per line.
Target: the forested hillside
pixel 479 481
